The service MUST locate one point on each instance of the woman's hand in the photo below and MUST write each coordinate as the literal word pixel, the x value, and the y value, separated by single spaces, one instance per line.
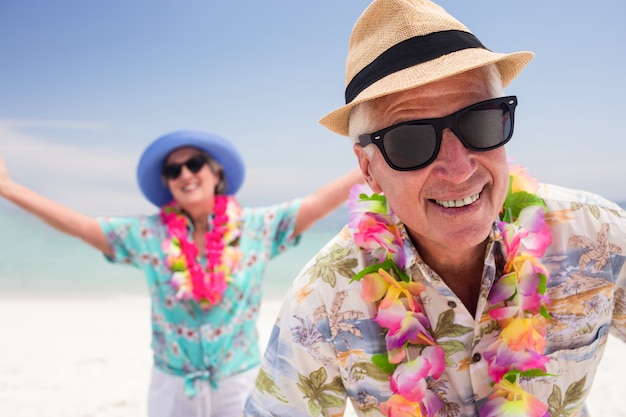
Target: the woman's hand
pixel 5 180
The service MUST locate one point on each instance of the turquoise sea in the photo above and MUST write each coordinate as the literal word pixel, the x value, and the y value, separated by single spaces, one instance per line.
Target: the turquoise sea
pixel 37 260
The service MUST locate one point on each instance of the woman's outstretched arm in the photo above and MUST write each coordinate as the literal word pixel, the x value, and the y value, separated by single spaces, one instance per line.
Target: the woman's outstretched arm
pixel 54 214
pixel 325 200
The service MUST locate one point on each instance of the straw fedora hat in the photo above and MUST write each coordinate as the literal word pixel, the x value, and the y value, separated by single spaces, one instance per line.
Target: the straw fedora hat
pixel 154 156
pixel 397 45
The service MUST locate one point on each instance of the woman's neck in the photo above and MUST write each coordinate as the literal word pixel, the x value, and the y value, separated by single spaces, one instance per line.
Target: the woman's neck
pixel 199 218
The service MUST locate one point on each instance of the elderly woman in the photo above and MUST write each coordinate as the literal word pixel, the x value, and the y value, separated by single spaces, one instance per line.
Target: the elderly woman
pixel 203 258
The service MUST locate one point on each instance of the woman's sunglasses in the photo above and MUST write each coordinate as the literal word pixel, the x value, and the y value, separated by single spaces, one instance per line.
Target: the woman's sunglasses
pixel 193 164
pixel 413 145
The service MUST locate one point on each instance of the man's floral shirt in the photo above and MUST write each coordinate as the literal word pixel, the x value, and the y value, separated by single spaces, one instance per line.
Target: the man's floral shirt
pixel 319 354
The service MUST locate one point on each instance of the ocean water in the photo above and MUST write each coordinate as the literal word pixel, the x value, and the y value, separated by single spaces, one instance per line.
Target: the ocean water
pixel 37 260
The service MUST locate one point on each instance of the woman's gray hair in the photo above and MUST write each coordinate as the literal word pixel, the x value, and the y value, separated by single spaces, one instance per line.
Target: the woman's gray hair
pixel 217 169
pixel 362 116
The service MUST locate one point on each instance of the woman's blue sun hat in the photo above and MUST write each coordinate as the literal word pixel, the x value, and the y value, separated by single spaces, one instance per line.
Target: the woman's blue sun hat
pixel 153 158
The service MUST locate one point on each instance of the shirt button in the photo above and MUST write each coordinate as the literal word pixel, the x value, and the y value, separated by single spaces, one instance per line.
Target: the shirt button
pixel 451 304
pixel 476 357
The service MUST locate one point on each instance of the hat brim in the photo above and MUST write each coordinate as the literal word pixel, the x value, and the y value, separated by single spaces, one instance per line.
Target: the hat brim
pixel 154 156
pixel 510 65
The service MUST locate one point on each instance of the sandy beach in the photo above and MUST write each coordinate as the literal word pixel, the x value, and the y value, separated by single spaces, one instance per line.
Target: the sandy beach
pixel 90 357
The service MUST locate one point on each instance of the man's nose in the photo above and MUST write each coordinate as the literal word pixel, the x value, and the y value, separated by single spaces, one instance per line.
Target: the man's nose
pixel 455 162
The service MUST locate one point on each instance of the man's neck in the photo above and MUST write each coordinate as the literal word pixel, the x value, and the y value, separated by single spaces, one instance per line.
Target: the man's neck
pixel 460 269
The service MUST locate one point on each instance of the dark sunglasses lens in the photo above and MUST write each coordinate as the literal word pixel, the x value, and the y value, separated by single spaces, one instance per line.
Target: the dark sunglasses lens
pixel 195 164
pixel 410 146
pixel 486 126
pixel 171 171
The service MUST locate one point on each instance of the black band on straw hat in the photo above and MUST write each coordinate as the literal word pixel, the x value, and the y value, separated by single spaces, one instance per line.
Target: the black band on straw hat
pixel 410 52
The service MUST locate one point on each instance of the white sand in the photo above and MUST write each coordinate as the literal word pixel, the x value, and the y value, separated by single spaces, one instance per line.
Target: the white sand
pixel 90 357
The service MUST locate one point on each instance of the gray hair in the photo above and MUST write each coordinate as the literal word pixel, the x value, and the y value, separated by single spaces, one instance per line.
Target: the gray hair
pixel 362 115
pixel 217 169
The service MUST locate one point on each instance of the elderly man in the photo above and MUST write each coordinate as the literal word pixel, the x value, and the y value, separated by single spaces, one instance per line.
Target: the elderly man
pixel 461 286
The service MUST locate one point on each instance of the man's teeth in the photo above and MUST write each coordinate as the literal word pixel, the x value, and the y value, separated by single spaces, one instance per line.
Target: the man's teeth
pixel 458 203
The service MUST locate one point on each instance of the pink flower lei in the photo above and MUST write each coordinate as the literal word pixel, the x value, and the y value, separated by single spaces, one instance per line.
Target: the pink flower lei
pixel 189 279
pixel 519 297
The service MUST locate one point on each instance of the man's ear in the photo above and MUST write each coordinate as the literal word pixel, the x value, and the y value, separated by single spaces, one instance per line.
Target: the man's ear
pixel 364 164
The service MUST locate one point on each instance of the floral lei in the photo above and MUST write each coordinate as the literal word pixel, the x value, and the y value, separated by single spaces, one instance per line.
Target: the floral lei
pixel 189 279
pixel 519 297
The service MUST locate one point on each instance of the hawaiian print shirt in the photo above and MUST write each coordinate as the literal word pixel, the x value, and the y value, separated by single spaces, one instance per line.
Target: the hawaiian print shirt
pixel 188 341
pixel 320 351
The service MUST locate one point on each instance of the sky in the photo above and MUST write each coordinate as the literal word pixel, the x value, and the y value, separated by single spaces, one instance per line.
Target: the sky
pixel 85 86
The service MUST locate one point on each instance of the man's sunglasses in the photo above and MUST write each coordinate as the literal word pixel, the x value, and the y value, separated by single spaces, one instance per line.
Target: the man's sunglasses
pixel 412 145
pixel 193 164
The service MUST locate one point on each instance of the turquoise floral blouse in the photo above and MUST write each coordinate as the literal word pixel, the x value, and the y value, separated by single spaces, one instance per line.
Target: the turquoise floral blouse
pixel 190 342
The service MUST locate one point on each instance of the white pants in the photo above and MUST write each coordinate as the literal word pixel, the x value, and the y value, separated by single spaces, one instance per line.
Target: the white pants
pixel 167 398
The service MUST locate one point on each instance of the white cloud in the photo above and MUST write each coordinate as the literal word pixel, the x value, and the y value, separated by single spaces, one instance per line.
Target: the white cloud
pixel 100 180
pixel 13 124
pixel 273 185
pixel 597 177
pixel 91 179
